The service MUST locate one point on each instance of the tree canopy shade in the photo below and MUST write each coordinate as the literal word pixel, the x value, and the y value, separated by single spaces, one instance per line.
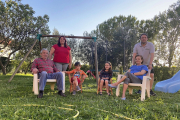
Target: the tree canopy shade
pixel 19 26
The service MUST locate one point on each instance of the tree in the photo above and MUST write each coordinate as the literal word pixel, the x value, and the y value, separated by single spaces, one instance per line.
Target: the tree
pixel 168 40
pixel 19 27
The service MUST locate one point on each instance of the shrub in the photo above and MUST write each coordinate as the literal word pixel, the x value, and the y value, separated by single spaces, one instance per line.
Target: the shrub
pixel 163 73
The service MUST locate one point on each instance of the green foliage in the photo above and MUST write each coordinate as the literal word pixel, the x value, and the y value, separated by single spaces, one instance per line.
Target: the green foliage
pixel 163 73
pixel 19 28
pixel 19 102
pixel 26 66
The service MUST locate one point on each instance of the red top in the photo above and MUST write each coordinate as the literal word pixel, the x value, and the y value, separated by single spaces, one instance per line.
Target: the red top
pixel 61 54
pixel 44 65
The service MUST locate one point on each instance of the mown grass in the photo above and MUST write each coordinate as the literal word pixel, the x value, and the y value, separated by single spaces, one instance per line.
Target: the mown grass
pixel 19 102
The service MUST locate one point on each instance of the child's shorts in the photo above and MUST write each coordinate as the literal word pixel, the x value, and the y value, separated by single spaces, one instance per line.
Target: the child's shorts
pixel 77 80
pixel 105 80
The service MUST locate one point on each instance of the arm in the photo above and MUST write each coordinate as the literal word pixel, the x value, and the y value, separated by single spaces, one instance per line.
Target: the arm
pixel 35 70
pixel 70 72
pixel 152 50
pixel 151 60
pixel 129 70
pixel 34 67
pixel 84 76
pixel 140 73
pixel 55 69
pixel 134 54
pixel 51 52
pixel 133 59
pixel 70 59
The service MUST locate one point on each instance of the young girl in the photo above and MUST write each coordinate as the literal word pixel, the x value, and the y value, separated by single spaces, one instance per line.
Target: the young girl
pixel 105 77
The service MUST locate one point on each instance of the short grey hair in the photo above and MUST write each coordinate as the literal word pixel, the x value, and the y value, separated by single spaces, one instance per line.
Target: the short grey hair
pixel 43 50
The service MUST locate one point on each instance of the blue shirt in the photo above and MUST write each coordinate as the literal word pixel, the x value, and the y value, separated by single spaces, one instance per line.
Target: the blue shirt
pixel 139 68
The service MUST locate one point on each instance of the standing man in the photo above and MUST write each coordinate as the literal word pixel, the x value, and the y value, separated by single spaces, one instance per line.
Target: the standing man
pixel 146 49
pixel 46 69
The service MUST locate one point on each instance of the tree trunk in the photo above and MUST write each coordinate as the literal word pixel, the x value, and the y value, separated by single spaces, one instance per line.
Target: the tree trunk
pixel 4 70
pixel 3 67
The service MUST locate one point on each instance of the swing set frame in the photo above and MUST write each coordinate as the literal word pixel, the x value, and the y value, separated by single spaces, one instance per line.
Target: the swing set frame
pixel 39 38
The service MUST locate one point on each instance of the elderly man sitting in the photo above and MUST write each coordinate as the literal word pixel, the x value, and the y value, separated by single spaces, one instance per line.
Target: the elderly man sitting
pixel 47 70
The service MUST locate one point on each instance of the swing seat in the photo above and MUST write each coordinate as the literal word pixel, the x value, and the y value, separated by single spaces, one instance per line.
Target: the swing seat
pixel 50 82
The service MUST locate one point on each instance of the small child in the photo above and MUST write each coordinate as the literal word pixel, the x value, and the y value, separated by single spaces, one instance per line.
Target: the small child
pixel 105 76
pixel 77 74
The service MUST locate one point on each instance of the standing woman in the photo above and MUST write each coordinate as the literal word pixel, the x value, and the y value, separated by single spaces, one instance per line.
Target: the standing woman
pixel 62 54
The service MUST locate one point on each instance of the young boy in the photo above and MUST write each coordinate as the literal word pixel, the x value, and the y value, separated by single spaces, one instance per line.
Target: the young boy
pixel 77 74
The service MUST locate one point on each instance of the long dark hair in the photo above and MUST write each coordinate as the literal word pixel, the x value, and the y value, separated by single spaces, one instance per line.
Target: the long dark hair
pixel 59 44
pixel 110 69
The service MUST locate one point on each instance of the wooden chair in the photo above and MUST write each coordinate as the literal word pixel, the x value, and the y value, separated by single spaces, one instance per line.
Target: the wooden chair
pixel 71 85
pixel 104 87
pixel 144 87
pixel 50 82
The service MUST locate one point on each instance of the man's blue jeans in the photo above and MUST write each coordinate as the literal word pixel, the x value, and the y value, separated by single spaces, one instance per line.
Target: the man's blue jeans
pixel 44 76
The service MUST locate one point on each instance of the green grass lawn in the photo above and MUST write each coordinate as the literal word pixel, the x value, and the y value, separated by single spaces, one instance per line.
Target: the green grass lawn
pixel 19 102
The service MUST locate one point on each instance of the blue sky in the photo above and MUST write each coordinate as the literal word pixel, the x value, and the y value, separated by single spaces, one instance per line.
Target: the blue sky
pixel 76 16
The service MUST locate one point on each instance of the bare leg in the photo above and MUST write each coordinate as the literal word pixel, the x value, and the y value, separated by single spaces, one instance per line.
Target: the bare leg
pixel 75 83
pixel 152 80
pixel 125 86
pixel 107 87
pixel 118 82
pixel 101 85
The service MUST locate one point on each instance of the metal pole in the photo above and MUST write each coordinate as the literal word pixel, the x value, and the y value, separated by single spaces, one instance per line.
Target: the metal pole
pixel 124 56
pixel 22 61
pixel 106 50
pixel 96 61
pixel 66 36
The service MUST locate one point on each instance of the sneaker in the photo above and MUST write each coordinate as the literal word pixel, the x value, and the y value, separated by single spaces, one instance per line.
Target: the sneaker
pixel 152 93
pixel 78 88
pixel 40 95
pixel 112 86
pixel 109 94
pixel 100 93
pixel 74 92
pixel 138 92
pixel 61 94
pixel 123 98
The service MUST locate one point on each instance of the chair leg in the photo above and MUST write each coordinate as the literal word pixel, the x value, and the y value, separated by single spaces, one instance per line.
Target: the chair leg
pixel 118 87
pixel 130 90
pixel 98 89
pixel 111 91
pixel 35 85
pixel 63 82
pixel 70 89
pixel 148 88
pixel 81 88
pixel 52 86
pixel 143 94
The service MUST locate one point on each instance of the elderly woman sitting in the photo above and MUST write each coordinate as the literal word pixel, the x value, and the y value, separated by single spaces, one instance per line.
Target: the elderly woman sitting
pixel 133 75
